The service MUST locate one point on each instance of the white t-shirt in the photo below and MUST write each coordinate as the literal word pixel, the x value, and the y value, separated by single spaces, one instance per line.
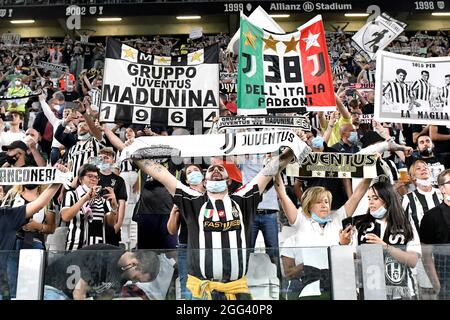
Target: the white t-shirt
pixel 311 234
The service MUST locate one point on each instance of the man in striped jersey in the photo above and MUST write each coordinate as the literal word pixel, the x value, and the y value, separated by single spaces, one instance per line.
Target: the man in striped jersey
pixel 421 90
pixel 339 70
pixel 397 91
pixel 445 90
pixel 219 224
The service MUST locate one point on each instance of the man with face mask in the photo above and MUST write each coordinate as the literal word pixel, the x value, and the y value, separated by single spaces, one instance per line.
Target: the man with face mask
pixel 349 140
pixel 15 154
pixel 218 224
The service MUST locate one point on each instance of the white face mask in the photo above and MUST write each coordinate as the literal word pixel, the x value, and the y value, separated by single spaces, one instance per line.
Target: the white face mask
pixel 18 83
pixel 425 183
pixel 379 213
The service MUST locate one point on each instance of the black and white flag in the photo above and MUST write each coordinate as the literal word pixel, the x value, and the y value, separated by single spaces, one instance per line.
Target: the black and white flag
pixel 243 122
pixel 335 165
pixel 376 35
pixel 412 90
pixel 142 88
pixel 33 175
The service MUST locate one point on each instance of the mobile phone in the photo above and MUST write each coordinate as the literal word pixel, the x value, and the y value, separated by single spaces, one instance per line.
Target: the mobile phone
pixel 346 222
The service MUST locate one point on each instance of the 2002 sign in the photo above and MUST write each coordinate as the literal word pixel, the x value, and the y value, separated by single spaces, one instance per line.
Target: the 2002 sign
pixel 242 309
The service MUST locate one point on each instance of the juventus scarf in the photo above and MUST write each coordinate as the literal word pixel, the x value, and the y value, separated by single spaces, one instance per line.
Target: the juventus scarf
pixel 33 175
pixel 29 95
pixel 299 122
pixel 216 145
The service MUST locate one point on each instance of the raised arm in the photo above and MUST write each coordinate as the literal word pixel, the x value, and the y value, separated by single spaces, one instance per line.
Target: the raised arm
pixel 352 203
pixel 159 173
pixel 42 200
pixel 95 131
pixel 286 203
pixel 342 109
pixel 115 140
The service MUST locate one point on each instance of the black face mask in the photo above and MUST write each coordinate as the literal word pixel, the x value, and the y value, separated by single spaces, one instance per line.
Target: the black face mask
pixel 11 159
pixel 30 186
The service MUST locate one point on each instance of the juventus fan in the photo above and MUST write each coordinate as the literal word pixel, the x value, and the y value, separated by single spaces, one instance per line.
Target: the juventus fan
pixel 217 221
pixel 421 89
pixel 87 209
pixel 398 90
pixel 86 143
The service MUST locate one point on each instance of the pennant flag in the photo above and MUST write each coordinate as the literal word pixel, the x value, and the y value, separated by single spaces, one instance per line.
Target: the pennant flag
pixel 376 35
pixel 284 73
pixel 260 18
pixel 157 90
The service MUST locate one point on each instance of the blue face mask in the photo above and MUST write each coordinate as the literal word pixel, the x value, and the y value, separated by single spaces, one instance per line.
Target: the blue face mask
pixel 353 137
pixel 317 142
pixel 379 213
pixel 104 166
pixel 320 220
pixel 216 186
pixel 448 198
pixel 195 177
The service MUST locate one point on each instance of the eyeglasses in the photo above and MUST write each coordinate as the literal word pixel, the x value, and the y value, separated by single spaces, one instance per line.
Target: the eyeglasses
pixel 128 267
pixel 448 182
pixel 92 176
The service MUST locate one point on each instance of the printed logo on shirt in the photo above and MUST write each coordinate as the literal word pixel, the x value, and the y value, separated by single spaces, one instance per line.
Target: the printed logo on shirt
pixel 235 212
pixel 208 213
pixel 218 226
pixel 221 213
pixel 395 272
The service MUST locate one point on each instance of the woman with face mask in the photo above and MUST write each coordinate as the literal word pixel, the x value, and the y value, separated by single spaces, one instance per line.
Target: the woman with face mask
pixel 193 177
pixel 31 235
pixel 387 224
pixel 415 204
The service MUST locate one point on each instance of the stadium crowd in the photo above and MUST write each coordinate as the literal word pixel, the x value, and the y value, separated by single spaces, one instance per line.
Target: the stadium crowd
pixel 49 117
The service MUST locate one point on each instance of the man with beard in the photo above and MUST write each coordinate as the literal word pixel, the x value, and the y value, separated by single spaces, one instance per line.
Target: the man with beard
pixel 426 152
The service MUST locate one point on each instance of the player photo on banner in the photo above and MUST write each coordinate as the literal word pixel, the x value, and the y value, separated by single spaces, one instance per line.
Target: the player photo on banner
pixel 376 35
pixel 412 90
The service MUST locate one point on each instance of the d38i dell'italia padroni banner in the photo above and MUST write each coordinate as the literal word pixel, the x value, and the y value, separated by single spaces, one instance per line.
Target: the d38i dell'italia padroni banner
pixel 156 90
pixel 208 145
pixel 412 90
pixel 335 165
pixel 33 175
pixel 284 73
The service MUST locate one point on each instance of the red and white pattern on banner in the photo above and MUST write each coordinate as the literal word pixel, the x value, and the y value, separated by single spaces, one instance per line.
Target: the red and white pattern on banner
pixel 314 55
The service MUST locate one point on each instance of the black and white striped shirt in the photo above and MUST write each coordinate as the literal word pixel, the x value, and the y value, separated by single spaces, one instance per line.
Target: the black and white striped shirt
pixel 418 202
pixel 445 92
pixel 95 95
pixel 369 75
pixel 82 151
pixel 421 89
pixel 214 225
pixel 83 230
pixel 339 72
pixel 399 91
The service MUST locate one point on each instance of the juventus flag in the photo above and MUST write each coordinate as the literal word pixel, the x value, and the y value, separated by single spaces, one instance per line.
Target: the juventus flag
pixel 376 35
pixel 335 165
pixel 284 73
pixel 155 90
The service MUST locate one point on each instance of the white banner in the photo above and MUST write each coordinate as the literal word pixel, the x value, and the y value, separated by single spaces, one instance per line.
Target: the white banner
pixel 216 145
pixel 196 33
pixel 376 35
pixel 52 66
pixel 242 122
pixel 11 38
pixel 33 175
pixel 412 90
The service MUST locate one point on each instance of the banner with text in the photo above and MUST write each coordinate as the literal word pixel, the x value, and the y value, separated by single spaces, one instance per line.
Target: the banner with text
pixel 52 66
pixel 335 165
pixel 243 122
pixel 142 88
pixel 33 175
pixel 412 90
pixel 209 145
pixel 284 73
pixel 376 35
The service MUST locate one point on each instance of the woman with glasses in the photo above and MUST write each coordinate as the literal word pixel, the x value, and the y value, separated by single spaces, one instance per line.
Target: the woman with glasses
pixel 87 208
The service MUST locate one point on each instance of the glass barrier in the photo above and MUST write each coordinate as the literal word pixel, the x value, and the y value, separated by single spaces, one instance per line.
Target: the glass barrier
pixel 9 261
pixel 295 274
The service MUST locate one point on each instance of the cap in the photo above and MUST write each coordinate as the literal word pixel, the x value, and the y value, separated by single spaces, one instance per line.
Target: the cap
pixel 370 138
pixel 16 144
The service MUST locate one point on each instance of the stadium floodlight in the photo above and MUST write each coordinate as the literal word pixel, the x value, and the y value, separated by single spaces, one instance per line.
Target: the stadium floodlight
pixel 356 14
pixel 441 14
pixel 109 19
pixel 189 17
pixel 22 21
pixel 280 15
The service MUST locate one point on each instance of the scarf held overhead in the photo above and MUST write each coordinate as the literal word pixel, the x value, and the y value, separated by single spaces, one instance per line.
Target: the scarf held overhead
pixel 216 145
